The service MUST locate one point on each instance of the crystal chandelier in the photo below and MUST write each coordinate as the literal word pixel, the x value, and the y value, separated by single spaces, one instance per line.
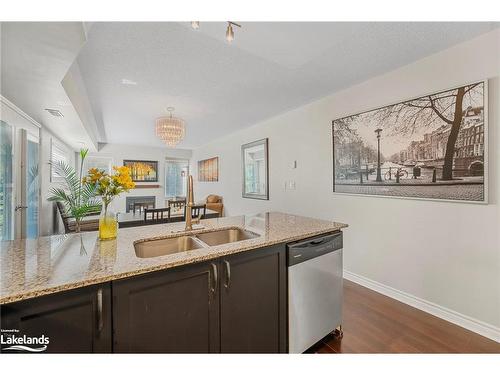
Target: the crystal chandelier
pixel 170 129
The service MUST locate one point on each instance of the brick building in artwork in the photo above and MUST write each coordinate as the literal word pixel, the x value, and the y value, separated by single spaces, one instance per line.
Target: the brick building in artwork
pixel 469 153
pixel 469 148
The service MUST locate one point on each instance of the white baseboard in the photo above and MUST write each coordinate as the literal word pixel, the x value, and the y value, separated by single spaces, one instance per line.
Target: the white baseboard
pixel 474 325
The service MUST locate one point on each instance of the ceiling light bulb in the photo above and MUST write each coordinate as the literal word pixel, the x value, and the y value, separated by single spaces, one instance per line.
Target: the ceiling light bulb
pixel 229 33
pixel 128 82
pixel 195 25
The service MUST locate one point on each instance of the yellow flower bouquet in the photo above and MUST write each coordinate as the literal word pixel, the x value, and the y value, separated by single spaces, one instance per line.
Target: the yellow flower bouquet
pixel 108 187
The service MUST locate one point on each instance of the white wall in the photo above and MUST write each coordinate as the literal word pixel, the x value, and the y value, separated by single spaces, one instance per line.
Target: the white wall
pixel 126 152
pixel 445 253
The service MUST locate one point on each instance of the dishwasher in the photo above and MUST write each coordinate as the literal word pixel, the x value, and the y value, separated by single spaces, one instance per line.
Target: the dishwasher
pixel 314 290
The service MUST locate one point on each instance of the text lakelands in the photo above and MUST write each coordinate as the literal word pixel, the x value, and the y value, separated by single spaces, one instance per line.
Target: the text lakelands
pixel 24 340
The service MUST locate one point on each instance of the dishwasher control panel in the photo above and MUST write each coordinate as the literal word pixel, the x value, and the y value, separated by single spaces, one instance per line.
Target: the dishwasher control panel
pixel 300 251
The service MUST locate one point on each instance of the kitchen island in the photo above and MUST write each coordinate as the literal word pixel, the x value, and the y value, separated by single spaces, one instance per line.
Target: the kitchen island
pixel 189 301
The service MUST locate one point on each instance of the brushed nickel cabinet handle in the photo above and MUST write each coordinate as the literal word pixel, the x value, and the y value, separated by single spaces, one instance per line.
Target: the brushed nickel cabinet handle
pixel 216 281
pixel 227 283
pixel 100 321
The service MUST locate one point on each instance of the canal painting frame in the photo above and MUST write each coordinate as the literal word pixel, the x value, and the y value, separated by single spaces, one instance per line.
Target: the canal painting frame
pixel 380 190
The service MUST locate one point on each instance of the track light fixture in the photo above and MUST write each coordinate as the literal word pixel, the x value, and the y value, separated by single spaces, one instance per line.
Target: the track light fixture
pixel 230 31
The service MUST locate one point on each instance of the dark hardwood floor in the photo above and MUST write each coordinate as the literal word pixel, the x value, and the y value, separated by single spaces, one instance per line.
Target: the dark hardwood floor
pixel 374 323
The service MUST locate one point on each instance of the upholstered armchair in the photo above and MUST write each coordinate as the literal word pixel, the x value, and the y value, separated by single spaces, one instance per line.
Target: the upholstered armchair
pixel 214 203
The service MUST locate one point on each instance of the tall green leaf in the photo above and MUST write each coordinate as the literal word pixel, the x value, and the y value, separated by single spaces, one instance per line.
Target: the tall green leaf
pixel 79 198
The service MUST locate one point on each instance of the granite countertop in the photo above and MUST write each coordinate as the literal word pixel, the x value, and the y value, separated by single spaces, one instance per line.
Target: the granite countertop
pixel 45 265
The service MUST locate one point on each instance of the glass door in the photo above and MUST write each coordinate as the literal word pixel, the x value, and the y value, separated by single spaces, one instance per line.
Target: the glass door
pixel 6 182
pixel 31 187
pixel 19 173
pixel 27 189
pixel 19 183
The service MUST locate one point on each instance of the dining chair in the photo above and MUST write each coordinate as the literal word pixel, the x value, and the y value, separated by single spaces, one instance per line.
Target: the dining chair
pixel 197 211
pixel 141 206
pixel 176 203
pixel 86 225
pixel 155 215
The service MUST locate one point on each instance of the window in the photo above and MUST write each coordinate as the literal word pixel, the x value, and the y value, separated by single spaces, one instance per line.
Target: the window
pixel 176 172
pixel 99 162
pixel 58 153
pixel 6 182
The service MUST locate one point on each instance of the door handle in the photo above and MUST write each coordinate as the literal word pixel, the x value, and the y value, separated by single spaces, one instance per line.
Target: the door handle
pixel 216 281
pixel 317 242
pixel 100 321
pixel 17 208
pixel 227 283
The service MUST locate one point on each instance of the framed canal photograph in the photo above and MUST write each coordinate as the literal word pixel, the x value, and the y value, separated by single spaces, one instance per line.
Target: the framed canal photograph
pixel 143 170
pixel 431 147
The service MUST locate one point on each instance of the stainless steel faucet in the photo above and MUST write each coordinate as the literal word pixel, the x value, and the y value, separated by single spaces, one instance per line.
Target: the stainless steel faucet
pixel 189 204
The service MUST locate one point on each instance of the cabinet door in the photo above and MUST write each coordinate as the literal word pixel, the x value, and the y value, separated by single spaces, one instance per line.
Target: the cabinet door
pixel 253 301
pixel 77 321
pixel 172 311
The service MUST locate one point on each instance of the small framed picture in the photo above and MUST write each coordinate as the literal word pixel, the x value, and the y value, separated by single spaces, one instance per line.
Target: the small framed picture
pixel 208 170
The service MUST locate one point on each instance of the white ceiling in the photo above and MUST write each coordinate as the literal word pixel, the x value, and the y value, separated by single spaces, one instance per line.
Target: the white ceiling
pixel 35 57
pixel 219 88
pixel 216 87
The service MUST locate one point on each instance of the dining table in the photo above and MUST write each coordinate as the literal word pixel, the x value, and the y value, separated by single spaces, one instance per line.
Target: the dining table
pixel 136 218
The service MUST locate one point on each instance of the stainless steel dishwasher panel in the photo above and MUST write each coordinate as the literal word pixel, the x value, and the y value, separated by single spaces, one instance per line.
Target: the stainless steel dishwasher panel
pixel 314 291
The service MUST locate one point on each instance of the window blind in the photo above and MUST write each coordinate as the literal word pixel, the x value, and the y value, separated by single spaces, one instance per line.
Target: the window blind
pixel 58 153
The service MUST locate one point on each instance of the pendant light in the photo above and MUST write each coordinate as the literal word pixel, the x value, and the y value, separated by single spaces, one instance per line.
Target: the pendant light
pixel 170 129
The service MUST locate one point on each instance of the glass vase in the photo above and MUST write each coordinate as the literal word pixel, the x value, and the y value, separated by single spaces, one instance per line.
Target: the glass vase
pixel 108 225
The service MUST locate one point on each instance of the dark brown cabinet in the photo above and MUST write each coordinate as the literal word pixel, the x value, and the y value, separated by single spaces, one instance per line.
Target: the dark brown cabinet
pixel 253 302
pixel 76 321
pixel 235 304
pixel 173 311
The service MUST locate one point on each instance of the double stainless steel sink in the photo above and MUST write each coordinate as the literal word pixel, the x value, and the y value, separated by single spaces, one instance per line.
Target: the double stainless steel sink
pixel 156 248
pixel 182 242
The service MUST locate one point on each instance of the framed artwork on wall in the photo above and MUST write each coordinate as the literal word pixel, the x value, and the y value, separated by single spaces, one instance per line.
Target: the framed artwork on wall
pixel 255 168
pixel 208 170
pixel 431 147
pixel 143 170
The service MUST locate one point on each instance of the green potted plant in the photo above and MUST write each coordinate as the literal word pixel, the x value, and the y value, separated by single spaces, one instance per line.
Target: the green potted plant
pixel 76 194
